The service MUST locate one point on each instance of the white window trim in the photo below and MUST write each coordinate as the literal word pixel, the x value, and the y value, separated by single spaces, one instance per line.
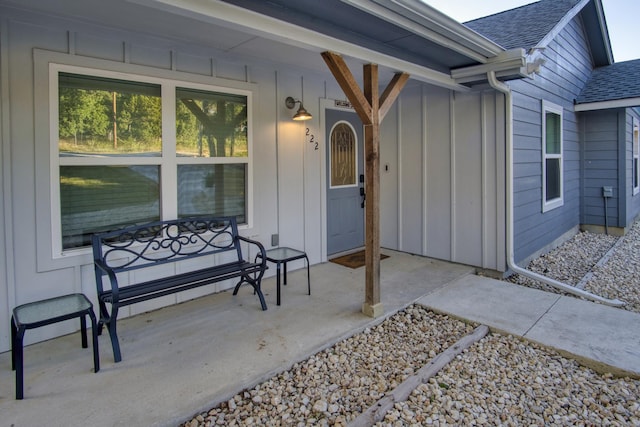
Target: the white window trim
pixel 559 201
pixel 50 255
pixel 635 156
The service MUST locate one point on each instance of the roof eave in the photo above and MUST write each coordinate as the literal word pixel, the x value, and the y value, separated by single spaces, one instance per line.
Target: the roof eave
pixel 605 32
pixel 428 22
pixel 225 14
pixel 607 105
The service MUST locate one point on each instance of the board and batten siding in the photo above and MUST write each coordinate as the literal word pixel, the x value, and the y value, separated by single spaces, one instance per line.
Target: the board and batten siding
pixel 286 168
pixel 451 177
pixel 567 68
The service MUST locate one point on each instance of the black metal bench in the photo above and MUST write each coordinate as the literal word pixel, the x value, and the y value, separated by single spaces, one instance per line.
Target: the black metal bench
pixel 215 240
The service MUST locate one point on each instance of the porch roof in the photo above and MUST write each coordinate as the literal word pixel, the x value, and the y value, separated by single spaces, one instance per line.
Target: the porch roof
pixel 401 36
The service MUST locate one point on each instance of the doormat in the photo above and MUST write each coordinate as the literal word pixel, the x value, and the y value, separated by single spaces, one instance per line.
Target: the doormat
pixel 354 260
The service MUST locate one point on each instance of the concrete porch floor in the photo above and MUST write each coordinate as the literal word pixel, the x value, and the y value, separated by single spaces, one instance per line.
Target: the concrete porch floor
pixel 186 358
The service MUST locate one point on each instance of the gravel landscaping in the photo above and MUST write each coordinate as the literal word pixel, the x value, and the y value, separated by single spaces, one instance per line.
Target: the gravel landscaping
pixel 580 262
pixel 500 380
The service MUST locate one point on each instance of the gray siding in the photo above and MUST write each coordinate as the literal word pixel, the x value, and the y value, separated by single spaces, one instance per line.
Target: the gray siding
pixel 566 71
pixel 632 201
pixel 600 167
pixel 607 158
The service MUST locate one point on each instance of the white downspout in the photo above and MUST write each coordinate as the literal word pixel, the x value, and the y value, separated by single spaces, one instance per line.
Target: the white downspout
pixel 502 87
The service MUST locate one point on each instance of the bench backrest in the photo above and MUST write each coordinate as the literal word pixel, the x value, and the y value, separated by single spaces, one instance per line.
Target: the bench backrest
pixel 162 242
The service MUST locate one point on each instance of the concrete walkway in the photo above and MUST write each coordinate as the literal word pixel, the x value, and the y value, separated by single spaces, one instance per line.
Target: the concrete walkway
pixel 604 338
pixel 186 358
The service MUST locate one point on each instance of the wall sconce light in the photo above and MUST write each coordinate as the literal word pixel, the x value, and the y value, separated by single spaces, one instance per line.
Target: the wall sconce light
pixel 302 114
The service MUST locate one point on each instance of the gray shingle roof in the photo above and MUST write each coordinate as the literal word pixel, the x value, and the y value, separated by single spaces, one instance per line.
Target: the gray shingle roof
pixel 612 82
pixel 524 26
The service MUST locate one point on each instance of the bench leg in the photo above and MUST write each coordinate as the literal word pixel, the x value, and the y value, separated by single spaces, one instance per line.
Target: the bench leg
pixel 104 314
pixel 94 335
pixel 256 288
pixel 111 327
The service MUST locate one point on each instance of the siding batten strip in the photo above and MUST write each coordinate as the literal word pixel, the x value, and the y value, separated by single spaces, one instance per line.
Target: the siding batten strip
pixel 399 178
pixel 452 191
pixel 425 173
pixel 483 174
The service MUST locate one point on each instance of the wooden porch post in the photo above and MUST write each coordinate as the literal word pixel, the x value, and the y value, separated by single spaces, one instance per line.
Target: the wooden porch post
pixel 371 109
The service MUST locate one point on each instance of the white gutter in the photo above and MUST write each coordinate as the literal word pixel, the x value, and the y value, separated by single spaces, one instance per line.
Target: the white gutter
pixel 506 90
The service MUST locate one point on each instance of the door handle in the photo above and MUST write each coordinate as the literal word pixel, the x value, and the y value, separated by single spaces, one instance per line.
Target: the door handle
pixel 363 195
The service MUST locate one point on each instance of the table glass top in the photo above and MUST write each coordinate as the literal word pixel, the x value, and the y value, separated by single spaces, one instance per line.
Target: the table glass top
pixel 281 254
pixel 51 308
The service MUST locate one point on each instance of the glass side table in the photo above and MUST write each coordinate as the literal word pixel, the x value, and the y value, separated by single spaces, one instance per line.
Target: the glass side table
pixel 45 312
pixel 282 256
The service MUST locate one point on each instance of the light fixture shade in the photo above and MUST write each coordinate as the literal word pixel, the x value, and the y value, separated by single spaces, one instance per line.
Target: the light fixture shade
pixel 301 114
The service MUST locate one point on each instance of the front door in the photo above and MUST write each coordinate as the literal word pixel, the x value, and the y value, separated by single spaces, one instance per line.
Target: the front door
pixel 345 181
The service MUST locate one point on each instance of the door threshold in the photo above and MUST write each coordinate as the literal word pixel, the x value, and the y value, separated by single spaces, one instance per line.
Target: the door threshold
pixel 343 253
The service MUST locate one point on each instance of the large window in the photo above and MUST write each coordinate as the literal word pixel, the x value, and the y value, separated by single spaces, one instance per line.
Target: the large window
pixel 636 157
pixel 552 174
pixel 132 150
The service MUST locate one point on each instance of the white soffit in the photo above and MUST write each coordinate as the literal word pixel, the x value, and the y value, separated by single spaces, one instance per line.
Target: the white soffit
pixel 220 13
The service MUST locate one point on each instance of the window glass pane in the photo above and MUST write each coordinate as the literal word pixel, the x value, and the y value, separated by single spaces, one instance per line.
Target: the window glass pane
pixel 553 133
pixel 100 116
pixel 210 124
pixel 218 190
pixel 553 178
pixel 344 151
pixel 99 198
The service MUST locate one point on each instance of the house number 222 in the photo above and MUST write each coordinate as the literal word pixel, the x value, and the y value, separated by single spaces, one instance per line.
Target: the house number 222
pixel 312 139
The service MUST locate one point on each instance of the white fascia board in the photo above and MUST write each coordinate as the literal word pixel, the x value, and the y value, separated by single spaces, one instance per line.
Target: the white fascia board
pixel 606 105
pixel 426 21
pixel 237 18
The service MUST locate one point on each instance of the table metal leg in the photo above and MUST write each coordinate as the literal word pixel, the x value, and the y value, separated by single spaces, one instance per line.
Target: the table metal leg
pixel 285 273
pixel 278 283
pixel 83 331
pixel 17 351
pixel 308 276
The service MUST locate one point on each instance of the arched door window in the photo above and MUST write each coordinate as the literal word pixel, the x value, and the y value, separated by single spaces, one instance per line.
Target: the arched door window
pixel 344 159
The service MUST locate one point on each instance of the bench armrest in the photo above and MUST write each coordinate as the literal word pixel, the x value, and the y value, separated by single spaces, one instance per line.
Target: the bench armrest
pixel 100 264
pixel 260 246
pixel 263 254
